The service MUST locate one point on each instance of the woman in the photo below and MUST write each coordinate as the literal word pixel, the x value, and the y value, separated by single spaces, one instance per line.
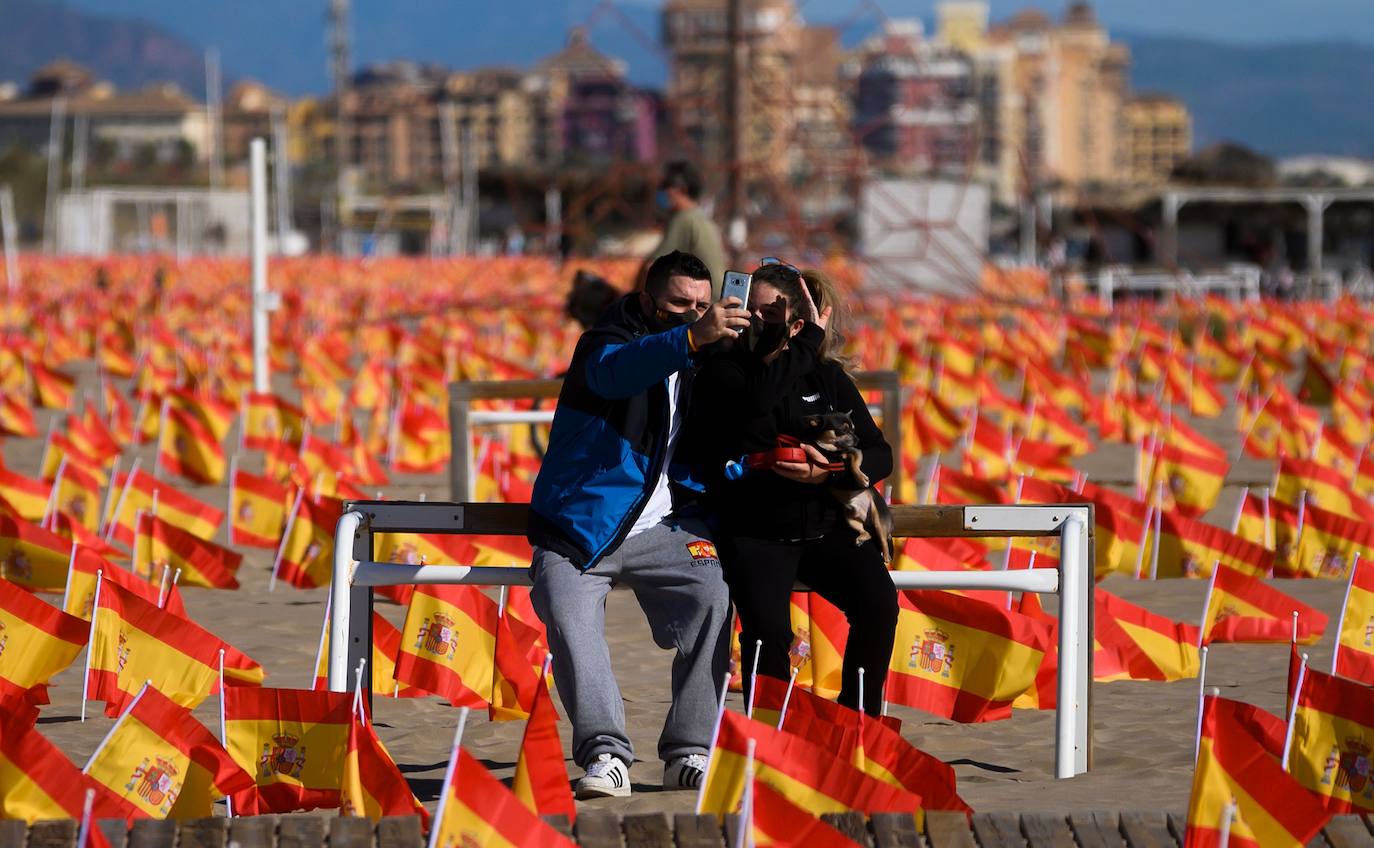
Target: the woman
pixel 780 522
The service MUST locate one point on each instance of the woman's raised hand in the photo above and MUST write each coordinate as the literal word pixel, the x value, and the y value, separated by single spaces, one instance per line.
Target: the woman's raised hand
pixel 820 318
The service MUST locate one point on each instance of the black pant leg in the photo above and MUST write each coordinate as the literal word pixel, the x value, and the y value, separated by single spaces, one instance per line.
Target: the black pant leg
pixel 855 579
pixel 761 575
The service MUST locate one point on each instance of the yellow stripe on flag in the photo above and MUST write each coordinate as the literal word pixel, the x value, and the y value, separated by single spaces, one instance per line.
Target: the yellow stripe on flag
pixel 156 782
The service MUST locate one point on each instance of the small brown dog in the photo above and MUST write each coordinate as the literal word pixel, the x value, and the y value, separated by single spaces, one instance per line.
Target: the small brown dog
pixel 864 509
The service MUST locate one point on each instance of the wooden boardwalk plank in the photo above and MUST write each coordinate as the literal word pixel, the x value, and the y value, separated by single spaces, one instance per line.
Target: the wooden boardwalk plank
pixel 598 829
pixel 253 831
pixel 895 830
pixel 1147 830
pixel 694 831
pixel 647 830
pixel 1348 832
pixel 350 832
pixel 851 824
pixel 153 833
pixel 948 829
pixel 13 833
pixel 1046 831
pixel 400 832
pixel 205 833
pixel 998 830
pixel 300 831
pixel 1096 830
pixel 58 833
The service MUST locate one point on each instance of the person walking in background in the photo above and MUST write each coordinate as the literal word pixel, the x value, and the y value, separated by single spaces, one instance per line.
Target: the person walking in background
pixel 778 521
pixel 689 229
pixel 607 508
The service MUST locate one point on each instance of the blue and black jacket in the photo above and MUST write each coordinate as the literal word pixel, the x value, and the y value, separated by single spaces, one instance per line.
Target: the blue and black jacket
pixel 610 433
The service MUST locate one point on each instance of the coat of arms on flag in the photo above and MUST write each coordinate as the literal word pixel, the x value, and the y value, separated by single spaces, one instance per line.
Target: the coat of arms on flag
pixel 283 755
pixel 438 635
pixel 155 782
pixel 932 652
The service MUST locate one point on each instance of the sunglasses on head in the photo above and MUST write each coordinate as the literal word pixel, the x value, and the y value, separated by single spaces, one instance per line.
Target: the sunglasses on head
pixel 773 260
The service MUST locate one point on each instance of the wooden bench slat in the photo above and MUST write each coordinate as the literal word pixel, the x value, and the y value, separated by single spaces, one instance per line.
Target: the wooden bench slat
pixel 1147 830
pixel 1348 832
pixel 851 824
pixel 401 832
pixel 205 833
pixel 350 832
pixel 895 830
pixel 300 831
pixel 998 830
pixel 153 833
pixel 254 831
pixel 597 829
pixel 647 830
pixel 1046 831
pixel 56 833
pixel 697 831
pixel 948 829
pixel 1096 830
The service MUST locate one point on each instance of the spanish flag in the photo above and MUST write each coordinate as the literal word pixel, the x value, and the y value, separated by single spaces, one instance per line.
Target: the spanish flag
pixel 137 490
pixel 1241 608
pixel 217 416
pixel 89 433
pixel 1324 487
pixel 28 496
pixel 78 495
pixel 160 544
pixel 163 762
pixel 187 448
pixel 37 781
pixel 774 820
pixel 293 744
pixel 51 389
pixel 1272 809
pixel 373 786
pixel 1150 646
pixel 306 557
pixel 808 774
pixel 1330 542
pixel 80 594
pixel 1330 755
pixel 422 443
pixel 133 641
pixel 33 557
pixel 448 644
pixel 829 634
pixel 515 670
pixel 60 450
pixel 1355 641
pixel 477 809
pixel 257 510
pixel 386 644
pixel 1191 482
pixel 16 416
pixel 962 658
pixel 1188 548
pixel 428 548
pixel 953 487
pixel 37 640
pixel 268 419
pixel 541 779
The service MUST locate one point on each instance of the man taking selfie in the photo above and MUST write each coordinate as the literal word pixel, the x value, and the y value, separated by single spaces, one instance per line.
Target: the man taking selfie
pixel 602 514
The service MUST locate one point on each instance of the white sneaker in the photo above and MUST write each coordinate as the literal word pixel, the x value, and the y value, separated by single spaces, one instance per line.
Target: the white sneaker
pixel 607 777
pixel 685 772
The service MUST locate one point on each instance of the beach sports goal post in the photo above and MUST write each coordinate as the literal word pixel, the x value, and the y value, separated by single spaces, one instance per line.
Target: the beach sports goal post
pixel 356 573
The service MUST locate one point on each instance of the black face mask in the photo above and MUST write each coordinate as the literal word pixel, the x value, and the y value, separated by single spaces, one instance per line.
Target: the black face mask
pixel 661 320
pixel 763 337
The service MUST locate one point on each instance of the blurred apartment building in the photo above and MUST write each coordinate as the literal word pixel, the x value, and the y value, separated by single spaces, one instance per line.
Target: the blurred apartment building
pixel 159 119
pixel 1159 137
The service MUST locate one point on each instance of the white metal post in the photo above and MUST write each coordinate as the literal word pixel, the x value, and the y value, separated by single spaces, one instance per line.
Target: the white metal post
pixel 9 226
pixel 340 606
pixel 263 301
pixel 1075 645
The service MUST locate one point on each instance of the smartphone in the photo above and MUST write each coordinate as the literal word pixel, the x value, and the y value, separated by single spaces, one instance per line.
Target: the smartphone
pixel 736 284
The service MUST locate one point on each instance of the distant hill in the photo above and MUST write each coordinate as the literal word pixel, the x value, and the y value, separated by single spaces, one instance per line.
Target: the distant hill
pixel 1281 99
pixel 128 52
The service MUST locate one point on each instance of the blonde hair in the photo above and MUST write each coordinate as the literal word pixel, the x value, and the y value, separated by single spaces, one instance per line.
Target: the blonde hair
pixel 824 293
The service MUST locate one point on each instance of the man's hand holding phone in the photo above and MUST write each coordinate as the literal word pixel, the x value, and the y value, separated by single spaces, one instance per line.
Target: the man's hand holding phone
pixel 724 320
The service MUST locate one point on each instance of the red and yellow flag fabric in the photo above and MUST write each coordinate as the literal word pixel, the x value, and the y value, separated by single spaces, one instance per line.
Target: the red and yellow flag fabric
pixel 137 492
pixel 37 781
pixel 1333 735
pixel 1150 646
pixel 33 557
pixel 1330 542
pixel 267 420
pixel 1355 651
pixel 160 760
pixel 292 743
pixel 1324 487
pixel 189 449
pixel 51 389
pixel 1188 548
pixel 962 658
pixel 809 775
pixel 448 644
pixel 1242 608
pixel 422 439
pixel 80 594
pixel 541 779
pixel 515 670
pixel 257 510
pixel 477 809
pixel 78 494
pixel 1272 809
pixel 386 644
pixel 307 551
pixel 133 641
pixel 16 416
pixel 29 497
pixel 373 786
pixel 37 640
pixel 161 544
pixel 777 821
pixel 1190 481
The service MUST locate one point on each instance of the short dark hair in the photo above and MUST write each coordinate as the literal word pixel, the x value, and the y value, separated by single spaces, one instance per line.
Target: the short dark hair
pixel 675 264
pixel 589 297
pixel 683 176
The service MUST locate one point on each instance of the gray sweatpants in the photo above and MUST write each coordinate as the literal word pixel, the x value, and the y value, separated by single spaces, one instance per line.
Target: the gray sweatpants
pixel 675 574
